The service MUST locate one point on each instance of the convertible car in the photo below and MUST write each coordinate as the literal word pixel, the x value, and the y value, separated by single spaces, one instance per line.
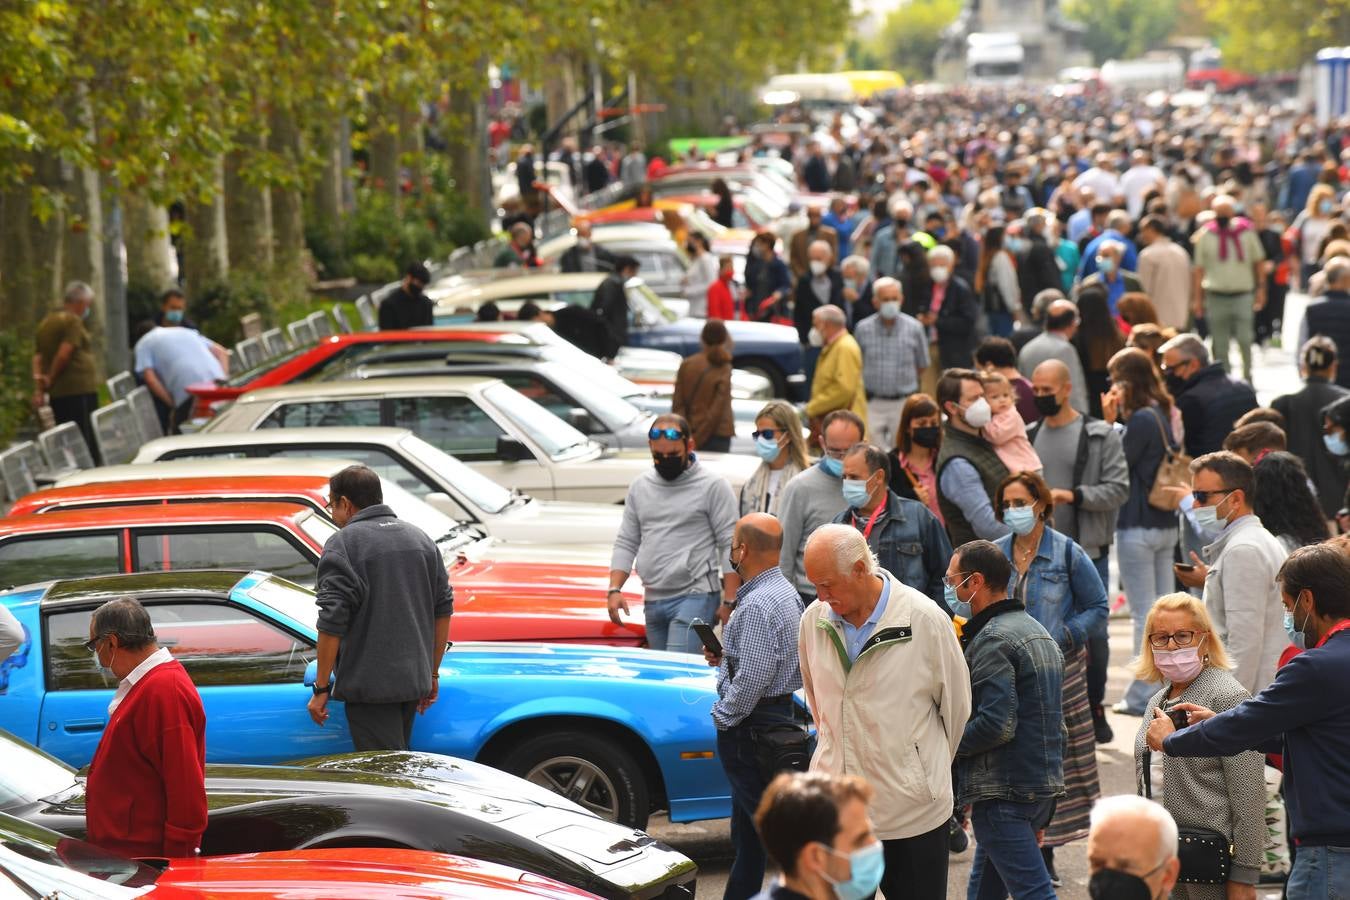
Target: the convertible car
pixel 38 863
pixel 411 801
pixel 620 731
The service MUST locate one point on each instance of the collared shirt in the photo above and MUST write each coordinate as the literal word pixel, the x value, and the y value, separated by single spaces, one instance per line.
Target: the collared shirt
pixel 894 356
pixel 158 658
pixel 854 638
pixel 759 647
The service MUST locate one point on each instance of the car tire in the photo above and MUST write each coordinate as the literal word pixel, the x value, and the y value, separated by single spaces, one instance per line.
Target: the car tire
pixel 595 773
pixel 758 365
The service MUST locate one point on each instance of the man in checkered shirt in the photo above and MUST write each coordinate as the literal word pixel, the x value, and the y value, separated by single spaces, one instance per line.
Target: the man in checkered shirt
pixel 756 675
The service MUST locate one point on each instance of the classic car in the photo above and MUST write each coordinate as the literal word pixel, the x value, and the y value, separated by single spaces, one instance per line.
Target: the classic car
pixel 405 800
pixel 622 731
pixel 40 863
pixel 663 262
pixel 530 594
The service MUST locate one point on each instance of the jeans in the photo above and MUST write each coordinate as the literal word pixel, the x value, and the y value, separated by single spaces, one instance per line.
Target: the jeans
pixel 1231 317
pixel 916 867
pixel 1007 858
pixel 1145 562
pixel 1320 873
pixel 1000 324
pixel 668 621
pixel 736 750
pixel 1098 647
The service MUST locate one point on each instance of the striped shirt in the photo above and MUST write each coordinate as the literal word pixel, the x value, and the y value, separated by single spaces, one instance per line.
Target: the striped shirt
pixel 892 357
pixel 759 647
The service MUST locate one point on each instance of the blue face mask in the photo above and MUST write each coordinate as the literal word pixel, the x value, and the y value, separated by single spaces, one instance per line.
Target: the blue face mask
pixel 1291 628
pixel 866 866
pixel 855 492
pixel 88 310
pixel 1207 517
pixel 1335 443
pixel 1106 264
pixel 173 316
pixel 1021 519
pixel 768 450
pixel 958 606
pixel 833 467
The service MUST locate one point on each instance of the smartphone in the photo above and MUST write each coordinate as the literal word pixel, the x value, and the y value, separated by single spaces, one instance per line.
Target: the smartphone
pixel 1179 717
pixel 1183 567
pixel 706 635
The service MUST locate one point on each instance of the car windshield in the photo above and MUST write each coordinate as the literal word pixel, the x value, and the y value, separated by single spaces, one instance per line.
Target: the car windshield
pixel 27 774
pixel 318 527
pixel 474 487
pixel 416 511
pixel 258 371
pixel 648 307
pixel 289 599
pixel 601 400
pixel 554 436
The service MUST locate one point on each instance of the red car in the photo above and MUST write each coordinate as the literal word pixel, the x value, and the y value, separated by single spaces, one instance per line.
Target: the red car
pixel 41 863
pixel 501 594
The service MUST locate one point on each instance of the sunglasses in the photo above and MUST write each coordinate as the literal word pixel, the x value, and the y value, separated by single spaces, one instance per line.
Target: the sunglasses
pixel 769 434
pixel 1203 496
pixel 94 642
pixel 670 434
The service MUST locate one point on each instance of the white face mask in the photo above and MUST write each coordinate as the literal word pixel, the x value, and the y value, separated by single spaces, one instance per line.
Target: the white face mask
pixel 815 338
pixel 890 310
pixel 978 414
pixel 818 268
pixel 940 274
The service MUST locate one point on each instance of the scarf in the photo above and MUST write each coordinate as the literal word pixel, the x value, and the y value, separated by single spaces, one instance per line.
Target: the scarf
pixel 1232 233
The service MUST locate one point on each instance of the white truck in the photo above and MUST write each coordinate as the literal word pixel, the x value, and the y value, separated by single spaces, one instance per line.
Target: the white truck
pixel 995 57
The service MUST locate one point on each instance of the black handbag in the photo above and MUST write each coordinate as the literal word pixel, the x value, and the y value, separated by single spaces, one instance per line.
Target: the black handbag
pixel 781 747
pixel 1206 855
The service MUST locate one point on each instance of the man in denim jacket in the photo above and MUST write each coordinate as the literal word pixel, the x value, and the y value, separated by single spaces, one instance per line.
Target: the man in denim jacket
pixel 1010 760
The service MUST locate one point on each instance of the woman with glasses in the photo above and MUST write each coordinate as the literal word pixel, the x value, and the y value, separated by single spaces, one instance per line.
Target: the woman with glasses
pixel 1225 794
pixel 1059 585
pixel 782 454
pixel 913 474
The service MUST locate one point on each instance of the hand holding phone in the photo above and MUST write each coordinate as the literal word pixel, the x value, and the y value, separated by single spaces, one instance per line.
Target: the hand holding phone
pixel 707 636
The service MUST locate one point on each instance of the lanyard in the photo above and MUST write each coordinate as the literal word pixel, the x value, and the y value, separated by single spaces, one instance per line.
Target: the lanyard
pixel 1343 625
pixel 867 529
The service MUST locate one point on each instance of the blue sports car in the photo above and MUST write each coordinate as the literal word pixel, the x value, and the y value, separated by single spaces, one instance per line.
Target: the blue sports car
pixel 621 732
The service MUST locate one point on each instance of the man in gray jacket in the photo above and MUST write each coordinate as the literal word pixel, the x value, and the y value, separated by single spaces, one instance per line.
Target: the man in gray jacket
pixel 676 534
pixel 384 616
pixel 1083 461
pixel 1061 324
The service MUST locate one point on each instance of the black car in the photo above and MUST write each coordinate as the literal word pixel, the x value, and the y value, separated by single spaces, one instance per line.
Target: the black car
pixel 418 801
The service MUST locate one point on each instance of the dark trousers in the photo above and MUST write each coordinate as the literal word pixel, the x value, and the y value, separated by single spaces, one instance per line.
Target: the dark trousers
pixel 1007 858
pixel 381 726
pixel 736 749
pixel 78 408
pixel 916 867
pixel 1098 647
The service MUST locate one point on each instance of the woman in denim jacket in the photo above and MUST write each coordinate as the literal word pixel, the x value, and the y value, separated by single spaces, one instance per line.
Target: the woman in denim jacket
pixel 1061 589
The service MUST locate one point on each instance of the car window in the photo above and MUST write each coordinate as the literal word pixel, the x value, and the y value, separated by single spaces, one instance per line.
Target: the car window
pixel 454 424
pixel 27 560
pixel 217 643
pixel 223 548
pixel 325 414
pixel 382 462
pixel 575 298
pixel 540 391
pixel 554 436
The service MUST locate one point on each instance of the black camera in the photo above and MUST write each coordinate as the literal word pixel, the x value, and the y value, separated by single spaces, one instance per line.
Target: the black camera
pixel 1179 718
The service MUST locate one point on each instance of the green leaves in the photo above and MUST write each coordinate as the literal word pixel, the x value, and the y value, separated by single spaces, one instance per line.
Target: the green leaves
pixel 1124 29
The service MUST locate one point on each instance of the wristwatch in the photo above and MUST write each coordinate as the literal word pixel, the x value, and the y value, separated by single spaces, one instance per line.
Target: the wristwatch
pixel 613 591
pixel 322 689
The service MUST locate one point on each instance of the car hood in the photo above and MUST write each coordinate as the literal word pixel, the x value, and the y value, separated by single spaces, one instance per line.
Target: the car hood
pixel 548 521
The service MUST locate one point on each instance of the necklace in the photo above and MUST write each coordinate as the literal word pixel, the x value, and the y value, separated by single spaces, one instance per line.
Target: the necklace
pixel 1025 553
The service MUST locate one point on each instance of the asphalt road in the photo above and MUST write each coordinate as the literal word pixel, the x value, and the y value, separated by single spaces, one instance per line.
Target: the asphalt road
pixel 709 843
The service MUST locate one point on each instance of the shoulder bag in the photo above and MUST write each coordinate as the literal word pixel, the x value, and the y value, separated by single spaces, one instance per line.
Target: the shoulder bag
pixel 1173 471
pixel 1206 855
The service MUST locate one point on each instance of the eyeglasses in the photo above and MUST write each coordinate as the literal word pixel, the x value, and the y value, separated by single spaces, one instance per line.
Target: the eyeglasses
pixel 1180 638
pixel 670 434
pixel 1203 496
pixel 94 642
pixel 947 581
pixel 769 434
pixel 836 454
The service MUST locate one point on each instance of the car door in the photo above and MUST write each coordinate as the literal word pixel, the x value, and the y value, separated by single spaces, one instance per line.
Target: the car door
pixel 244 547
pixel 457 425
pixel 28 559
pixel 249 672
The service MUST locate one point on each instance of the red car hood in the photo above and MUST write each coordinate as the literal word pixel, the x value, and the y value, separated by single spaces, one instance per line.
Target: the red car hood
pixel 368 874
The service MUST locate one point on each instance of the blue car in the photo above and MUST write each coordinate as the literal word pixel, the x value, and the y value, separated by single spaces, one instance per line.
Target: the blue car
pixel 621 732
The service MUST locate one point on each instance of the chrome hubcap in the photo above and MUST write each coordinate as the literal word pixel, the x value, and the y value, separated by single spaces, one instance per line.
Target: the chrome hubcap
pixel 580 781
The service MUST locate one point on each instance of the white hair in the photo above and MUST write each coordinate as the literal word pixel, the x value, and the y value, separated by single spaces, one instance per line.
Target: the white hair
pixel 942 252
pixel 821 246
pixel 830 313
pixel 1112 245
pixel 1134 805
pixel 77 291
pixel 847 547
pixel 899 206
pixel 887 282
pixel 1223 200
pixel 1189 346
pixel 1336 269
pixel 857 264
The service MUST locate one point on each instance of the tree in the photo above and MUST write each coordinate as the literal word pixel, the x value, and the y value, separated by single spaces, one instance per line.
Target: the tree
pixel 1270 36
pixel 1123 29
pixel 909 39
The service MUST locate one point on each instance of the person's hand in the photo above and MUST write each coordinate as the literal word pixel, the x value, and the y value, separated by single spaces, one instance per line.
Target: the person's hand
pixel 850 294
pixel 318 709
pixel 1110 405
pixel 1257 305
pixel 1062 496
pixel 425 703
pixel 1195 712
pixel 927 318
pixel 1158 730
pixel 921 493
pixel 1236 890
pixel 1193 578
pixel 714 659
pixel 1198 309
pixel 39 398
pixel 723 614
pixel 615 601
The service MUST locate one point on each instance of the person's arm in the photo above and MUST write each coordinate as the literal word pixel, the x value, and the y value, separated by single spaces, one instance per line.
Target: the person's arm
pixel 11 633
pixel 180 765
pixel 722 520
pixel 961 484
pixel 937 553
pixel 949 677
pixel 157 387
pixel 804 666
pixel 1245 781
pixel 677 398
pixel 1089 600
pixel 1004 427
pixel 993 719
pixel 1197 292
pixel 791 520
pixel 626 544
pixel 444 610
pixel 338 596
pixel 1113 485
pixel 60 360
pixel 220 353
pixel 757 665
pixel 835 389
pixel 40 380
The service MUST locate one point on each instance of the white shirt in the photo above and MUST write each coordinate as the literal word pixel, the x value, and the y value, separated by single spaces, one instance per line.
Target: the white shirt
pixel 1105 185
pixel 1136 182
pixel 700 276
pixel 158 658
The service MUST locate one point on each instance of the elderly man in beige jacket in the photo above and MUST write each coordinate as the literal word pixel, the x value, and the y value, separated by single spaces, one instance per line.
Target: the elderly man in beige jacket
pixel 890 692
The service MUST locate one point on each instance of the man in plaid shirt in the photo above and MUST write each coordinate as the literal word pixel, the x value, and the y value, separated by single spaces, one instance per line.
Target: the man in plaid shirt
pixel 756 675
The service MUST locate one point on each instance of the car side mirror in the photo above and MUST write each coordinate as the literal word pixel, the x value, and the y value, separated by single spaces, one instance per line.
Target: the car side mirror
pixel 581 420
pixel 311 673
pixel 510 449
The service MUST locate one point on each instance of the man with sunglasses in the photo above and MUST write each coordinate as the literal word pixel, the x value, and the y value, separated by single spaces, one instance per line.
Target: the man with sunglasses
pixel 407 307
pixel 676 534
pixel 1243 559
pixel 146 790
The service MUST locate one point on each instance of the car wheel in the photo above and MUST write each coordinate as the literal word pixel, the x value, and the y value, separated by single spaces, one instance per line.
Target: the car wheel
pixel 590 772
pixel 758 365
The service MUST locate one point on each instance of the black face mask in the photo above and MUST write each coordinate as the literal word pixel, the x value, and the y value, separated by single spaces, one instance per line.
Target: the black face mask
pixel 1111 884
pixel 928 436
pixel 1174 383
pixel 1222 221
pixel 1047 404
pixel 415 290
pixel 670 467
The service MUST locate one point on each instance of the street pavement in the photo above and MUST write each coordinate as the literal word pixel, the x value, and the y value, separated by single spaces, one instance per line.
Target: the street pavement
pixel 709 843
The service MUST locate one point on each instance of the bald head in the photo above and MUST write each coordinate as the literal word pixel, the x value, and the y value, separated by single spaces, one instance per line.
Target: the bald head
pixel 1052 379
pixel 756 544
pixel 1137 836
pixel 1062 317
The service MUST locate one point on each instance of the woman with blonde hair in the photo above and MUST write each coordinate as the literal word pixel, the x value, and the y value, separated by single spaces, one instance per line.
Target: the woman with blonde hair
pixel 1225 795
pixel 782 454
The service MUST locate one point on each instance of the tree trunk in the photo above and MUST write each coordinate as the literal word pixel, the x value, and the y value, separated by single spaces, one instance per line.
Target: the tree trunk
pixel 326 201
pixel 466 137
pixel 30 248
pixel 151 263
pixel 248 211
pixel 412 145
pixel 206 256
pixel 384 148
pixel 288 208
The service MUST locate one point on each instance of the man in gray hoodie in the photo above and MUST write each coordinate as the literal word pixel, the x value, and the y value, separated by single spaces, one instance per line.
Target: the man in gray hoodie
pixel 676 533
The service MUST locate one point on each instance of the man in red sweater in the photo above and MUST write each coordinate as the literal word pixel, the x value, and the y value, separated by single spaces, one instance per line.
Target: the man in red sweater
pixel 146 791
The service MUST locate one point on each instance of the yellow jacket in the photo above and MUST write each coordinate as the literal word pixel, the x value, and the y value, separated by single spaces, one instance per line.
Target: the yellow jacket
pixel 838 382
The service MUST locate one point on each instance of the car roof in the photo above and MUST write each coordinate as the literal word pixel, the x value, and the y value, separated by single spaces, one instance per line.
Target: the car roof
pixel 196 486
pixel 463 384
pixel 520 286
pixel 250 469
pixel 371 434
pixel 206 513
pixel 143 585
